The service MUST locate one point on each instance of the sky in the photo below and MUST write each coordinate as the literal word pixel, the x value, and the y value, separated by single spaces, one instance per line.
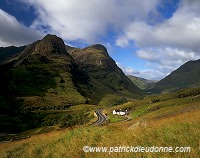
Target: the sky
pixel 146 38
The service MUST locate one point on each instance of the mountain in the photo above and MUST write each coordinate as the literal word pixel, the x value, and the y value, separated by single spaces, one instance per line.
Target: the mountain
pixel 186 76
pixel 141 82
pixel 46 75
pixel 96 61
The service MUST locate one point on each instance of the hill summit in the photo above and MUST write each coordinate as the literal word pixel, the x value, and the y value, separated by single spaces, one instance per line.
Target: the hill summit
pixel 50 44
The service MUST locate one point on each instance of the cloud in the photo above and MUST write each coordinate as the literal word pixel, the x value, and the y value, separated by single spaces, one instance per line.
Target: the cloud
pixel 88 20
pixel 167 55
pixel 127 69
pixel 182 30
pixel 151 74
pixel 14 33
pixel 122 42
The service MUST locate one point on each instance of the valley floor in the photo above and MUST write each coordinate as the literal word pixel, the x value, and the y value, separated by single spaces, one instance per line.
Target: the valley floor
pixel 170 122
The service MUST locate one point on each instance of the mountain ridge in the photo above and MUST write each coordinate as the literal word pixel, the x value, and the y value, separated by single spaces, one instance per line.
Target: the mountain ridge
pixel 50 56
pixel 186 76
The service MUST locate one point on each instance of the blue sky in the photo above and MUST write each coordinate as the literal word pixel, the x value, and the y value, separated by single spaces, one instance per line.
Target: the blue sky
pixel 146 38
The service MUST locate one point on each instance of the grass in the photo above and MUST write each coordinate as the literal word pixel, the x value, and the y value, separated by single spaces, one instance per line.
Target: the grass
pixel 42 91
pixel 115 118
pixel 166 107
pixel 40 119
pixel 181 99
pixel 172 121
pixel 32 80
pixel 112 100
pixel 178 130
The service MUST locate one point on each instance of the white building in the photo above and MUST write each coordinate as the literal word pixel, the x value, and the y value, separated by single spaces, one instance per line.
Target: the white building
pixel 120 112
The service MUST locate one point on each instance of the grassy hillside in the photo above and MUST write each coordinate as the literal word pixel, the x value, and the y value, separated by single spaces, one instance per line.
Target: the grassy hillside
pixel 180 130
pixel 40 121
pixel 112 100
pixel 172 122
pixel 186 76
pixel 162 105
pixel 141 82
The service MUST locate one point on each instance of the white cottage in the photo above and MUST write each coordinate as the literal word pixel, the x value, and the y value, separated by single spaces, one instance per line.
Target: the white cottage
pixel 120 112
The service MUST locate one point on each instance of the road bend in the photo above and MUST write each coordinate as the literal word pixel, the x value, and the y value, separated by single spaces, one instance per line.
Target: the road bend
pixel 101 117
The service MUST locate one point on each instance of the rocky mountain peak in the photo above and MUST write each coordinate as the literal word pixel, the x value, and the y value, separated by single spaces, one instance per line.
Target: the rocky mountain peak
pixel 50 44
pixel 99 47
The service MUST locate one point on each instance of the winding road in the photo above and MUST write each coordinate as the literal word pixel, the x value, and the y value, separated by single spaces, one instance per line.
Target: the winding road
pixel 101 117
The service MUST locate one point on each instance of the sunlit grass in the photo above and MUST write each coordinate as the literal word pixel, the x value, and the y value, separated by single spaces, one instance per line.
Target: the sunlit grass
pixel 115 118
pixel 179 130
pixel 173 122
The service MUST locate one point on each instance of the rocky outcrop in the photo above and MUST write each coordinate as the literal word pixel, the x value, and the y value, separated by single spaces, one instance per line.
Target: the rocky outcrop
pixel 50 44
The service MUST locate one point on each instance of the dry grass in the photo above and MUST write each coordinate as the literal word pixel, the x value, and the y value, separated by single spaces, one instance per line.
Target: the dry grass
pixel 170 123
pixel 178 130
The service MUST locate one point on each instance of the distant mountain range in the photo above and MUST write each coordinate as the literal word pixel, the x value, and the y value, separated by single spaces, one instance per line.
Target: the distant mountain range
pixel 186 76
pixel 141 82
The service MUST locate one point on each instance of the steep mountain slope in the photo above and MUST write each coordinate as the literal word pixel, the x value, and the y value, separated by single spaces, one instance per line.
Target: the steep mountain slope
pixel 187 75
pixel 141 82
pixel 96 61
pixel 8 52
pixel 44 73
